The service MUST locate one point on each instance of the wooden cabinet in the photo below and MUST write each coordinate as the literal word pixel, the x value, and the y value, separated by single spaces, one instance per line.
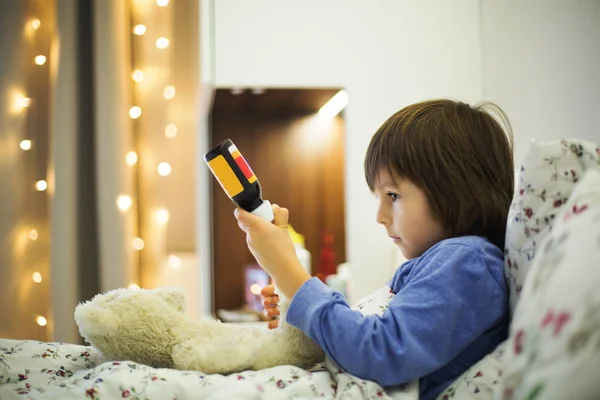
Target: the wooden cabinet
pixel 299 161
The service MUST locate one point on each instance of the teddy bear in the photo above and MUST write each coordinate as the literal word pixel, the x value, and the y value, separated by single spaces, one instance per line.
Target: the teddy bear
pixel 148 326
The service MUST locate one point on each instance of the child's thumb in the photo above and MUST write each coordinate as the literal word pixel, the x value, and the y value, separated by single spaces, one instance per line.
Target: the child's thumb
pixel 282 216
pixel 245 219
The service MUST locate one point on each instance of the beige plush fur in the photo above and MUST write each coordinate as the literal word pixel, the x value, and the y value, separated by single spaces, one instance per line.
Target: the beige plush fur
pixel 148 326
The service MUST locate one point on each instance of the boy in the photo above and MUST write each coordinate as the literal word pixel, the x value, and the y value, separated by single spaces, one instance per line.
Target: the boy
pixel 442 172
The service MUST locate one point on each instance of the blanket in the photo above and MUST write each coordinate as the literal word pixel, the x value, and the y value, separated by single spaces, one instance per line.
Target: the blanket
pixel 39 370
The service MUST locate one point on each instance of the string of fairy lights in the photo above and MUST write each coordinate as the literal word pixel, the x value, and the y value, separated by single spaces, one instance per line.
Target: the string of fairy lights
pixel 24 103
pixel 140 30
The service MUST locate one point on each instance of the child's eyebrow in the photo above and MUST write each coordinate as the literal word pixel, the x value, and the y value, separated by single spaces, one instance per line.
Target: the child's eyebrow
pixel 384 184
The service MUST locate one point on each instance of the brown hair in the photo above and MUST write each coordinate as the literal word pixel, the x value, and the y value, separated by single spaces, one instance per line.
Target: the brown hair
pixel 458 155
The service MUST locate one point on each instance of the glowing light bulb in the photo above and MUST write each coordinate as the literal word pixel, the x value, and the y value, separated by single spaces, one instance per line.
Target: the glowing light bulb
pixel 131 158
pixel 137 75
pixel 162 216
pixel 171 131
pixel 164 168
pixel 40 60
pixel 169 92
pixel 37 277
pixel 139 29
pixel 33 234
pixel 335 105
pixel 41 321
pixel 41 185
pixel 133 286
pixel 162 3
pixel 162 43
pixel 24 102
pixel 255 289
pixel 36 23
pixel 138 244
pixel 174 262
pixel 124 202
pixel 135 112
pixel 25 144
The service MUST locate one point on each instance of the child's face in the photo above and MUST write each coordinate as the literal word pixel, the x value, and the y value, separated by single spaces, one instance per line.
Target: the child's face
pixel 405 214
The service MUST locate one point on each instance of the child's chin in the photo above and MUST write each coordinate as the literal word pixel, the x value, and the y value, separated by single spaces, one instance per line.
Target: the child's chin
pixel 407 253
pixel 403 250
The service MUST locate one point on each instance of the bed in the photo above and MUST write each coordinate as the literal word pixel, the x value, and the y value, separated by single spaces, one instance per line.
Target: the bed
pixel 38 370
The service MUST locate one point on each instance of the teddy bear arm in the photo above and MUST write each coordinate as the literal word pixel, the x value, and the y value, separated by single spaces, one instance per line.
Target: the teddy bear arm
pixel 287 345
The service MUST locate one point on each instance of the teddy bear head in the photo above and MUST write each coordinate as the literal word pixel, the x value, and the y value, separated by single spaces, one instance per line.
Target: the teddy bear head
pixel 133 324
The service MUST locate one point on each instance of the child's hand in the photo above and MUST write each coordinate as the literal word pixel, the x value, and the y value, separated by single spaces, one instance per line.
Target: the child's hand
pixel 269 243
pixel 273 249
pixel 271 302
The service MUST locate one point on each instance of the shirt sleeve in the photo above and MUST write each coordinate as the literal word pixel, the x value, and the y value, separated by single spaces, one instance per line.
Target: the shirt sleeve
pixel 451 299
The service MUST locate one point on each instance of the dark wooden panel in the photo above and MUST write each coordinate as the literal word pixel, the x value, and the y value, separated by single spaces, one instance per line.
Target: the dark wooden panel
pixel 300 165
pixel 230 253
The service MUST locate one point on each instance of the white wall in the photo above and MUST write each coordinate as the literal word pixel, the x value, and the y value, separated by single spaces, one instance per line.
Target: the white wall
pixel 541 63
pixel 386 53
pixel 203 175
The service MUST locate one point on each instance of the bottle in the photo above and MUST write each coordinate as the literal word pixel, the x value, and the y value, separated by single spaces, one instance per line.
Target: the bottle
pixel 327 265
pixel 237 179
pixel 303 254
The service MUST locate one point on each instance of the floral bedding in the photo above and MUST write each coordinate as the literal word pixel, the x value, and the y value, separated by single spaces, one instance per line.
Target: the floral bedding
pixel 548 175
pixel 553 352
pixel 38 370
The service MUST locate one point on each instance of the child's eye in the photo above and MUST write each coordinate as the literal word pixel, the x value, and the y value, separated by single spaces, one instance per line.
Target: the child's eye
pixel 392 196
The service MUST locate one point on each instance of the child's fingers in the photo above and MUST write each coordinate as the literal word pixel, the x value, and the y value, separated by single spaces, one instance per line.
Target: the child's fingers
pixel 272 311
pixel 268 290
pixel 273 324
pixel 271 301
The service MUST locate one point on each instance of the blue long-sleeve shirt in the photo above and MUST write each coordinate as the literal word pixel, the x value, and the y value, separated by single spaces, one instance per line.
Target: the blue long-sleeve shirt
pixel 449 311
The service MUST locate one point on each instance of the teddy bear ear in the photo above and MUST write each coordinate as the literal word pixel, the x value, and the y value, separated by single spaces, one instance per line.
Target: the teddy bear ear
pixel 94 319
pixel 171 295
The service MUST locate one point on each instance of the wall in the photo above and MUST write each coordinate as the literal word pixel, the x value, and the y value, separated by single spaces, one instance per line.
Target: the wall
pixel 386 53
pixel 541 63
pixel 65 254
pixel 202 176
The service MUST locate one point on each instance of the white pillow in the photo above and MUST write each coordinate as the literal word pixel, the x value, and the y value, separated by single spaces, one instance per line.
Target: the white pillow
pixel 548 175
pixel 553 350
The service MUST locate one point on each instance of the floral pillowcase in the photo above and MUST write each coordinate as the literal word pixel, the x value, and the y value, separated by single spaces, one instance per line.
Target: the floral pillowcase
pixel 554 347
pixel 548 175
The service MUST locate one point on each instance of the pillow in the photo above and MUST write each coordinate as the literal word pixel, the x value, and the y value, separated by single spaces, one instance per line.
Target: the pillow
pixel 553 350
pixel 480 381
pixel 547 177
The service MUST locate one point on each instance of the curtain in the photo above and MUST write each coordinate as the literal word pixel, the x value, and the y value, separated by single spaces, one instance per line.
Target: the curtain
pixel 119 207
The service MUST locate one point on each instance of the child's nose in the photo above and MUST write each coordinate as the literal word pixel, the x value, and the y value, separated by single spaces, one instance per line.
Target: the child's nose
pixel 382 216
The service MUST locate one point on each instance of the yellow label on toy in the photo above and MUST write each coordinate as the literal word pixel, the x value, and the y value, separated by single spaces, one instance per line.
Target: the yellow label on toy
pixel 225 175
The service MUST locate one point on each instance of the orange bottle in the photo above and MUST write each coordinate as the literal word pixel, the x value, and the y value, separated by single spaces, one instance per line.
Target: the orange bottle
pixel 237 179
